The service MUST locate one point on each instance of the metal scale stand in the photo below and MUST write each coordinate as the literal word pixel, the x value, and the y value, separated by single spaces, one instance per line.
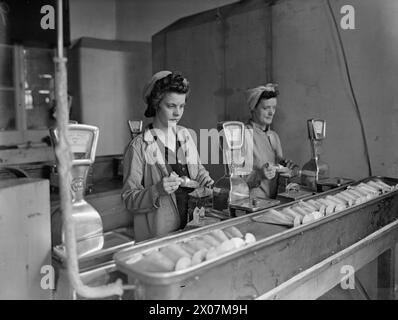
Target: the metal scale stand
pixel 315 173
pixel 303 183
pixel 231 192
pixel 95 248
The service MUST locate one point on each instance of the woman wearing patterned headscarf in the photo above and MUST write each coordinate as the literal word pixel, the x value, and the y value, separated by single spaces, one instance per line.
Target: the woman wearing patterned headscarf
pixel 264 143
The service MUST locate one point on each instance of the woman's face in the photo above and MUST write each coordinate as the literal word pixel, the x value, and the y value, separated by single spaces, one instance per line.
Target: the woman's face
pixel 171 108
pixel 264 112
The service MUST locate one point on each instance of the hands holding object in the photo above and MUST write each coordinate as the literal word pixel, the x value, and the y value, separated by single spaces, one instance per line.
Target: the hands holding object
pixel 269 171
pixel 289 164
pixel 171 183
pixel 204 180
pixel 285 167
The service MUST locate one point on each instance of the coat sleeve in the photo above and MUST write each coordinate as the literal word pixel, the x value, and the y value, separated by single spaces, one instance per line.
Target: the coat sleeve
pixel 136 197
pixel 276 145
pixel 252 175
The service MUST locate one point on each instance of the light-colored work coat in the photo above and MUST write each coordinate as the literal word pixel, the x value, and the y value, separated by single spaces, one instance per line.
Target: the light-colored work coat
pixel 143 170
pixel 261 147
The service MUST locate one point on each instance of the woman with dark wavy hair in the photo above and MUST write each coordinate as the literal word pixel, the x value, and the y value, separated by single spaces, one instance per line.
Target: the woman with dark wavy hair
pixel 159 162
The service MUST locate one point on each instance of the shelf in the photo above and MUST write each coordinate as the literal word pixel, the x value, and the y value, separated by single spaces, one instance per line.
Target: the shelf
pixel 26 155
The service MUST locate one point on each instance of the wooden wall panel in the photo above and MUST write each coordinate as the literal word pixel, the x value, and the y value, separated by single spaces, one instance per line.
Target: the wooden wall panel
pixel 196 53
pixel 217 51
pixel 159 54
pixel 111 76
pixel 246 55
pixel 25 238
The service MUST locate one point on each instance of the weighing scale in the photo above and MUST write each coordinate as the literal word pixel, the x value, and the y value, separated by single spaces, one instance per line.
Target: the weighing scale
pixel 315 169
pixel 315 173
pixel 231 192
pixel 88 223
pixel 95 249
pixel 53 172
pixel 135 127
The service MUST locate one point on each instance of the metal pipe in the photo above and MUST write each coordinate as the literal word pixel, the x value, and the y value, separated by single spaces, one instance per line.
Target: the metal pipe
pixel 60 29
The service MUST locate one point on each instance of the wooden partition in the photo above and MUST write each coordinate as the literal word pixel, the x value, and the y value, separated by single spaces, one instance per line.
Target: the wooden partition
pixel 106 79
pixel 222 52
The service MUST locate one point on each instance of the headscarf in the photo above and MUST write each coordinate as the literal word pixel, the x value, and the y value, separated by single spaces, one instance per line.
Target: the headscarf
pixel 150 111
pixel 255 94
pixel 149 86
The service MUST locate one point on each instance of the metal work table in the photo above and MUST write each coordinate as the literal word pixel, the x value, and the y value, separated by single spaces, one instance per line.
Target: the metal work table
pixel 300 262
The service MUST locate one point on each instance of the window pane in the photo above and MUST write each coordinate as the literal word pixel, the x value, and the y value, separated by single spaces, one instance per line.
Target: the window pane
pixel 6 66
pixel 7 110
pixel 39 87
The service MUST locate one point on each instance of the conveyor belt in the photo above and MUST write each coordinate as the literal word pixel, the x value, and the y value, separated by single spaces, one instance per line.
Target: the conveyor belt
pixel 278 254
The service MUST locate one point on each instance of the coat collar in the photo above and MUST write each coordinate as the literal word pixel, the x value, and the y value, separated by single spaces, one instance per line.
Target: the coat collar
pixel 156 150
pixel 150 134
pixel 254 125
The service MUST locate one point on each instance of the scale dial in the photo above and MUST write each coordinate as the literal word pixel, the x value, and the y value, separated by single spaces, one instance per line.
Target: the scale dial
pixel 135 126
pixel 80 141
pixel 234 134
pixel 317 129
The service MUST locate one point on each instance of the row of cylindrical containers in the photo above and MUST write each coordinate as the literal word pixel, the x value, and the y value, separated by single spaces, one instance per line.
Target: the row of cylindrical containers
pixel 192 251
pixel 310 210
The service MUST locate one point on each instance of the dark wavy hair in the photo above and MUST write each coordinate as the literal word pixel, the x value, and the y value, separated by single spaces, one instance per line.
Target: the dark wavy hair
pixel 174 82
pixel 267 94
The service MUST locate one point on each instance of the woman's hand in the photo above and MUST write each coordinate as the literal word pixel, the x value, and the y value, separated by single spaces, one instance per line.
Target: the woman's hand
pixel 269 171
pixel 204 179
pixel 290 164
pixel 169 184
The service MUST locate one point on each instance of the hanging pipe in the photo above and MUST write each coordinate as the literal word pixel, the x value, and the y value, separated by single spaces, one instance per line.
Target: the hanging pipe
pixel 64 156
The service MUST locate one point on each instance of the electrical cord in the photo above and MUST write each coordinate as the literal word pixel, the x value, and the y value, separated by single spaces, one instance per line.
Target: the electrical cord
pixel 358 112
